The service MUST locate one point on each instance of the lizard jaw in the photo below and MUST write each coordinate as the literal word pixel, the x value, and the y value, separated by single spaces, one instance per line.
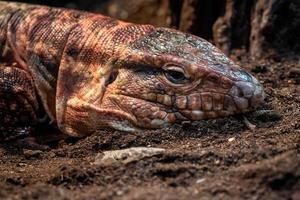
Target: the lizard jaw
pixel 241 98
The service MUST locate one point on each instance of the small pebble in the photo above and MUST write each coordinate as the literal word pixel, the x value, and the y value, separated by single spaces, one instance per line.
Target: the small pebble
pixel 231 139
pixel 32 153
pixel 294 72
pixel 21 170
pixel 52 154
pixel 119 192
pixel 21 164
pixel 200 180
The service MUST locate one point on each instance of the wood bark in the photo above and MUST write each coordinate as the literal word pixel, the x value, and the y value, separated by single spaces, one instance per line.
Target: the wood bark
pixel 261 27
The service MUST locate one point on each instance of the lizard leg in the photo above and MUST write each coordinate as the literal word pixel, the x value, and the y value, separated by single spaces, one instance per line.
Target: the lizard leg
pixel 18 103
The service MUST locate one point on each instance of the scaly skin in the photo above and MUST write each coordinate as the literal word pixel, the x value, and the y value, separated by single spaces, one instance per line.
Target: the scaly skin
pixel 91 71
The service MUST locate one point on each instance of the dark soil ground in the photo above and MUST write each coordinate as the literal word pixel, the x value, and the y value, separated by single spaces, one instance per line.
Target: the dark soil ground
pixel 215 159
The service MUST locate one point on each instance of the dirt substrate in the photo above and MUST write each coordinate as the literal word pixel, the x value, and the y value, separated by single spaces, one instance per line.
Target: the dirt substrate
pixel 215 159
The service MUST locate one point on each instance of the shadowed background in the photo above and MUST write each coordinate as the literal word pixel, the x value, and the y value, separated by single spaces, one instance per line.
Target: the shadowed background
pixel 260 27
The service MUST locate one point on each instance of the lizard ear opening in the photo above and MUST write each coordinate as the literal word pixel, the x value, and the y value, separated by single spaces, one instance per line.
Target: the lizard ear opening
pixel 112 77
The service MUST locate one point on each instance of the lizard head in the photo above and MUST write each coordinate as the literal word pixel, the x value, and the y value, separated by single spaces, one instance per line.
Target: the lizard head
pixel 169 76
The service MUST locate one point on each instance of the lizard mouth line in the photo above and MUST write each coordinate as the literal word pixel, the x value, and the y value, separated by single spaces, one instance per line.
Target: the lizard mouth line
pixel 171 103
pixel 217 105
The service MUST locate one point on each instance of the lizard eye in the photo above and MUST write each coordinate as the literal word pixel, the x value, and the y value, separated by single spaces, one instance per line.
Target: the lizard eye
pixel 175 75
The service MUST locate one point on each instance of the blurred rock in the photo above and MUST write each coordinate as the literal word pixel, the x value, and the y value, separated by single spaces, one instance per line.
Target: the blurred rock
pixel 155 12
pixel 232 30
pixel 29 154
pixel 125 156
pixel 275 26
pixel 263 26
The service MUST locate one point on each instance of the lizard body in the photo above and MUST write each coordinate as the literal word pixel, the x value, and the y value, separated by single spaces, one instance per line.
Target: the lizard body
pixel 91 71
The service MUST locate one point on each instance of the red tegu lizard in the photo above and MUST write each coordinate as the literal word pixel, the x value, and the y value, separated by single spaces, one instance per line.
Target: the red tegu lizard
pixel 88 71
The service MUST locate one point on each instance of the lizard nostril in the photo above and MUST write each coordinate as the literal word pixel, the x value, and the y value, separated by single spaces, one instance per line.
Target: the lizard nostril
pixel 236 91
pixel 246 94
pixel 246 89
pixel 240 92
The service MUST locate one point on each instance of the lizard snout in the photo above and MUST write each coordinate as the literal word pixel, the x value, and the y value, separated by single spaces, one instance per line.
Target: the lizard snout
pixel 247 95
